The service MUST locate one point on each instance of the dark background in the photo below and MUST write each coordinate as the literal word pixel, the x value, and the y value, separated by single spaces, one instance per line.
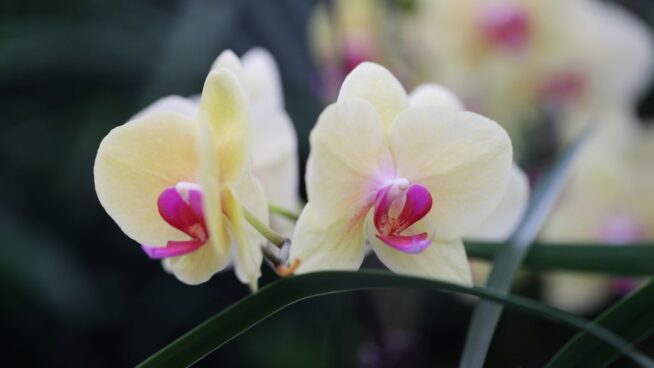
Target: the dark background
pixel 75 291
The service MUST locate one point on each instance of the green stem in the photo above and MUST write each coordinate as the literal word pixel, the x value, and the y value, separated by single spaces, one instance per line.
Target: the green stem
pixel 263 229
pixel 284 212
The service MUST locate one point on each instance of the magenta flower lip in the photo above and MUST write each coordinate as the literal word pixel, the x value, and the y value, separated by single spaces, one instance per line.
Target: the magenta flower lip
pixel 416 203
pixel 184 214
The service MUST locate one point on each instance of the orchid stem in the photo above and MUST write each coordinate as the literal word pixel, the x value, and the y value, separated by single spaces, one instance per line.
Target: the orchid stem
pixel 284 212
pixel 268 233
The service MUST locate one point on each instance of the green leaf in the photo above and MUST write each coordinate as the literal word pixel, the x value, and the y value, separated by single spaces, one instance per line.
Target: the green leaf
pixel 246 313
pixel 631 260
pixel 632 318
pixel 486 315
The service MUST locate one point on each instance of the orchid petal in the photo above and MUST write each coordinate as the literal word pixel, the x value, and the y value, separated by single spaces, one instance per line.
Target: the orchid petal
pixel 196 267
pixel 173 103
pixel 431 94
pixel 135 163
pixel 462 158
pixel 247 260
pixel 345 165
pixel 224 105
pixel 249 193
pixel 262 78
pixel 442 260
pixel 318 245
pixel 375 84
pixel 275 162
pixel 504 219
pixel 228 60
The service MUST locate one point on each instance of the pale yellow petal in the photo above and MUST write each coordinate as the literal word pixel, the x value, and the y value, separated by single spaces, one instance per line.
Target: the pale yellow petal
pixel 196 267
pixel 135 163
pixel 275 162
pixel 442 260
pixel 345 163
pixel 375 84
pixel 247 264
pixel 209 174
pixel 431 94
pixel 247 255
pixel 505 217
pixel 225 106
pixel 462 158
pixel 173 103
pixel 228 60
pixel 262 78
pixel 321 246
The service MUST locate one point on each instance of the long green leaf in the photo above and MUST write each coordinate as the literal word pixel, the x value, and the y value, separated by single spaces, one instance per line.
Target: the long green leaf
pixel 246 313
pixel 632 318
pixel 486 315
pixel 632 260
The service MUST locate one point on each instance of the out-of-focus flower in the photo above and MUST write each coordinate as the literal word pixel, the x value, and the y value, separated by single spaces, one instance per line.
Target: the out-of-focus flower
pixel 343 35
pixel 178 184
pixel 412 180
pixel 515 59
pixel 274 142
pixel 610 200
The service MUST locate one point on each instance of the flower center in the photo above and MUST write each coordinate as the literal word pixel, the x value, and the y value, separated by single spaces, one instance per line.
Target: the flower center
pixel 181 207
pixel 399 205
pixel 506 27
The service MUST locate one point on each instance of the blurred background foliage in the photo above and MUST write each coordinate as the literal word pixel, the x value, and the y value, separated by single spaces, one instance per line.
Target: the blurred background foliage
pixel 75 291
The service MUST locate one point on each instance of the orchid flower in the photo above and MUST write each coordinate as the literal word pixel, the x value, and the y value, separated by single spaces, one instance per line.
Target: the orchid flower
pixel 180 184
pixel 514 59
pixel 274 142
pixel 409 175
pixel 343 35
pixel 609 199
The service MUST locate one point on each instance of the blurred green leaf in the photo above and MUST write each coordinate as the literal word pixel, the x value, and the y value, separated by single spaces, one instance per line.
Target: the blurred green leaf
pixel 632 318
pixel 632 260
pixel 486 315
pixel 241 316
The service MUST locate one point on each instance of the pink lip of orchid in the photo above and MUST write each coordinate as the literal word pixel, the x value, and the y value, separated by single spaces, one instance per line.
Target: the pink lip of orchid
pixel 506 27
pixel 181 207
pixel 397 207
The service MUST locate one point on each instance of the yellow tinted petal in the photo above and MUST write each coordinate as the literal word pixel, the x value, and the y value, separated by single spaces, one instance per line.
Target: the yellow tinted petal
pixel 322 246
pixel 505 217
pixel 196 267
pixel 435 95
pixel 442 260
pixel 262 78
pixel 173 103
pixel 275 162
pixel 224 105
pixel 249 194
pixel 209 175
pixel 345 162
pixel 135 163
pixel 463 159
pixel 228 60
pixel 375 84
pixel 247 255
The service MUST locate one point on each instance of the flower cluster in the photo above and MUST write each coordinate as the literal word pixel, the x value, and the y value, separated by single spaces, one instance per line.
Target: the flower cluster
pixel 191 179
